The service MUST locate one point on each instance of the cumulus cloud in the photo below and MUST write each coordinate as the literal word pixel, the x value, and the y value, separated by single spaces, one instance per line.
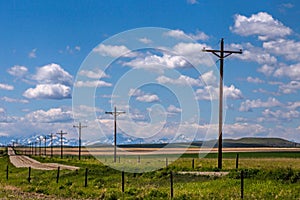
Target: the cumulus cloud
pixel 145 40
pixel 261 24
pixel 142 96
pixel 253 54
pixel 290 49
pixel 291 87
pixel 6 87
pixel 293 105
pixel 94 74
pixel 148 98
pixel 114 51
pixel 280 115
pixel 292 71
pixel 18 71
pixel 181 80
pixel 212 93
pixel 179 34
pixel 154 62
pixel 174 109
pixel 53 74
pixel 193 53
pixel 254 80
pixel 50 116
pixel 266 70
pixel 48 91
pixel 96 83
pixel 248 105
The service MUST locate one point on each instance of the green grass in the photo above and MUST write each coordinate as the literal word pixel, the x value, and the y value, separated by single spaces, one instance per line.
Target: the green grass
pixel 266 178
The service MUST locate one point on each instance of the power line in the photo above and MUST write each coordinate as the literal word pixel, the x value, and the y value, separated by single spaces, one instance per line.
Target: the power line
pixel 221 54
pixel 115 113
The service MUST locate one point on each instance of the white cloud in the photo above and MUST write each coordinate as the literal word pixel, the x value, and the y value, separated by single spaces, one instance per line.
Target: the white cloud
pixel 145 40
pixel 193 52
pixel 156 62
pixel 18 71
pixel 266 70
pixel 291 87
pixel 12 100
pixel 53 74
pixel 32 53
pixel 135 92
pixel 293 105
pixel 48 91
pixel 174 109
pixel 248 105
pixel 209 78
pixel 113 51
pixel 243 130
pixel 179 34
pixel 2 110
pixel 280 115
pixel 50 116
pixel 149 98
pixel 96 83
pixel 142 96
pixel 261 24
pixel 253 54
pixel 254 80
pixel 94 74
pixel 6 87
pixel 211 93
pixel 290 49
pixel 292 71
pixel 181 80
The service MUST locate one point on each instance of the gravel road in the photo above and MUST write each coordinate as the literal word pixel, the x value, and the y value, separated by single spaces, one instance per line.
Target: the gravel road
pixel 25 161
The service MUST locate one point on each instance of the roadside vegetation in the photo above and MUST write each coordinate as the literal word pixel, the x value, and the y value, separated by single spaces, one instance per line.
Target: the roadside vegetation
pixel 267 176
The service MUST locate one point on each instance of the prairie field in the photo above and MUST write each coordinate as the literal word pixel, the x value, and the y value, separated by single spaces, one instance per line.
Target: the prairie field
pixel 267 175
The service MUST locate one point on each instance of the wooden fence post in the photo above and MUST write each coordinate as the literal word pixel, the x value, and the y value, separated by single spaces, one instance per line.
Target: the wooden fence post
pixel 7 172
pixel 123 182
pixel 193 163
pixel 57 176
pixel 237 161
pixel 242 184
pixel 29 174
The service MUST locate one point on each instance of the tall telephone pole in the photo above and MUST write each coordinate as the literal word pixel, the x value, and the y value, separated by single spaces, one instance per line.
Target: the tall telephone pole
pixel 115 113
pixel 79 127
pixel 221 54
pixel 61 143
pixel 51 141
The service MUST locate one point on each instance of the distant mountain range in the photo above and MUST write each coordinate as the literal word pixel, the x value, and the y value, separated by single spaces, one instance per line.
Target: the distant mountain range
pixel 125 141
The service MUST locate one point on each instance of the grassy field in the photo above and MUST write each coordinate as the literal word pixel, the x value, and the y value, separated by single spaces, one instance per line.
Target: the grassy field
pixel 267 176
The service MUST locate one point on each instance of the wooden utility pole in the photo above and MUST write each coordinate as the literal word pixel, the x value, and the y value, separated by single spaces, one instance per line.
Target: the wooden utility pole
pixel 61 143
pixel 51 141
pixel 221 54
pixel 115 113
pixel 79 127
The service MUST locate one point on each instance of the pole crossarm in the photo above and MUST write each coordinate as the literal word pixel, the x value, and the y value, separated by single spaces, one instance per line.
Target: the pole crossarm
pixel 221 54
pixel 115 113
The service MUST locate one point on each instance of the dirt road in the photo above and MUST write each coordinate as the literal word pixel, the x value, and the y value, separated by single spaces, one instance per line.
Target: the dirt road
pixel 25 161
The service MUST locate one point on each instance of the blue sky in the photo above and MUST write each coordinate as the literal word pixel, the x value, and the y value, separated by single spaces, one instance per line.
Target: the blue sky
pixel 44 44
